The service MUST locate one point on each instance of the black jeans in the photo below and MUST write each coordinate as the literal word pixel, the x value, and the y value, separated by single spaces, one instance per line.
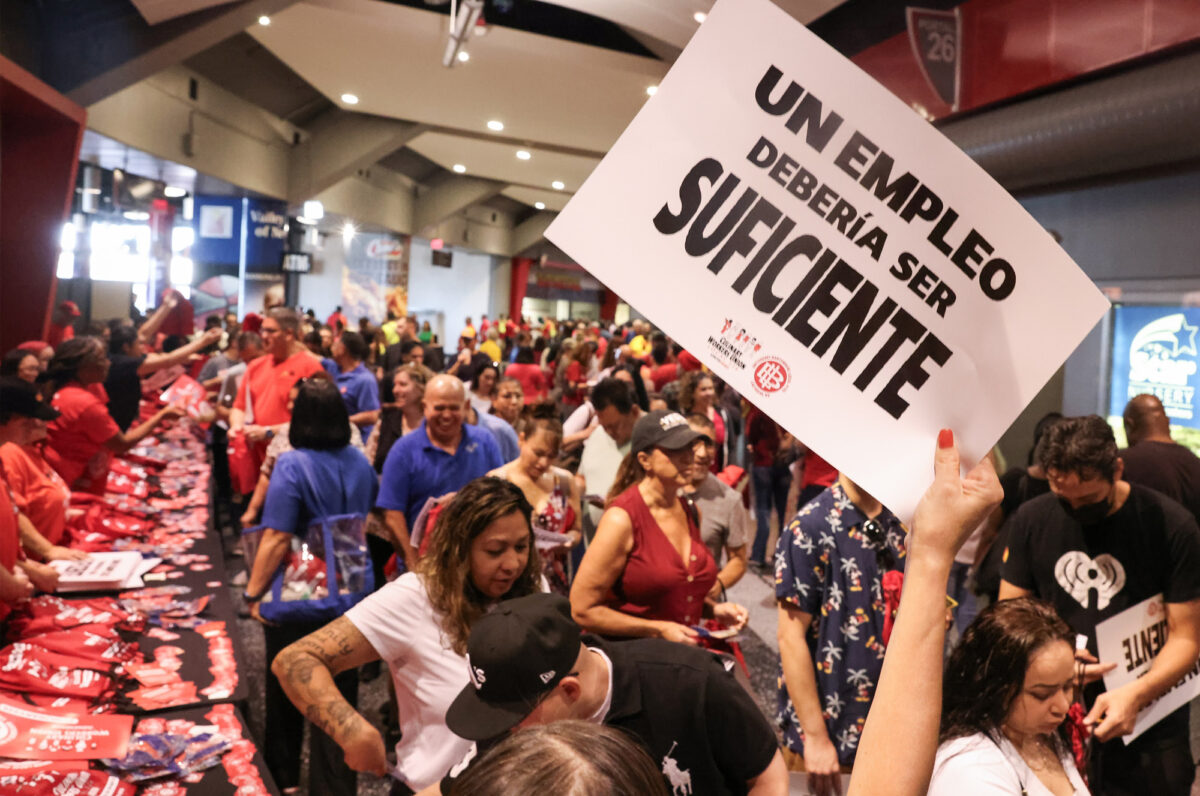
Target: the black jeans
pixel 1161 765
pixel 328 774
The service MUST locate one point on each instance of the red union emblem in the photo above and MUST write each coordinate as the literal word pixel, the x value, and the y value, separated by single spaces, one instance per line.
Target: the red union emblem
pixel 771 375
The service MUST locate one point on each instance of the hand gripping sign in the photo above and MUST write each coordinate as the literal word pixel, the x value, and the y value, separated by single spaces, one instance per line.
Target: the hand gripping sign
pixel 827 252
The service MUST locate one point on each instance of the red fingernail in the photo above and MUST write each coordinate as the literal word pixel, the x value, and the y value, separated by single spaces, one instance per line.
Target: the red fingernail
pixel 945 438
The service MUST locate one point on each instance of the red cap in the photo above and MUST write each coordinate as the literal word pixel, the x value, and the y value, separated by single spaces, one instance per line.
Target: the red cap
pixel 71 308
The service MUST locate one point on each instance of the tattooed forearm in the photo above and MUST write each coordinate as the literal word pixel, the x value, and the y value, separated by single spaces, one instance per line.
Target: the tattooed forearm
pixel 335 717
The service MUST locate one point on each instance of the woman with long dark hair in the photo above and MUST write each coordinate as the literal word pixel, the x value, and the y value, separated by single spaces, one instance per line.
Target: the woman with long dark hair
pixel 1008 687
pixel 81 442
pixel 698 396
pixel 481 552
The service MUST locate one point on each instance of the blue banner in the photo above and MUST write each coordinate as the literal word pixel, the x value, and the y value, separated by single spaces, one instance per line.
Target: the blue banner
pixel 218 221
pixel 1154 351
pixel 220 229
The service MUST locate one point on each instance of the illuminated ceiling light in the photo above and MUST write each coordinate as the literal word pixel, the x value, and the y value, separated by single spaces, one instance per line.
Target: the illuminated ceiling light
pixel 651 90
pixel 264 20
pixel 350 99
pixel 136 215
pixel 495 126
pixel 463 56
pixel 314 209
pixel 699 16
pixel 557 185
pixel 459 168
pixel 540 205
pixel 348 232
pixel 523 154
pixel 171 192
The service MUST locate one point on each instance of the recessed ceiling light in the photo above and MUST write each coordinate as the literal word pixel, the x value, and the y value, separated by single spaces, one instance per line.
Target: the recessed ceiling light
pixel 350 99
pixel 264 20
pixel 171 192
pixel 348 232
pixel 540 205
pixel 523 154
pixel 495 125
pixel 699 16
pixel 460 168
pixel 557 185
pixel 137 215
pixel 464 56
pixel 651 90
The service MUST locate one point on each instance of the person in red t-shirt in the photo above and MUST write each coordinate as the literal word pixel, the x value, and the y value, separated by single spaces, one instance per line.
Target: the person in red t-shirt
pixel 337 321
pixel 62 323
pixel 83 439
pixel 262 398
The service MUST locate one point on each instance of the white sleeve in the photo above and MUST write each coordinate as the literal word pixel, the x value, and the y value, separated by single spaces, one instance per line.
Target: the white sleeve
pixel 579 419
pixel 387 618
pixel 978 771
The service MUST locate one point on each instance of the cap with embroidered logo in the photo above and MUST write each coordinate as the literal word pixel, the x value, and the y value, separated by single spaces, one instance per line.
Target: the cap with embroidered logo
pixel 516 655
pixel 664 429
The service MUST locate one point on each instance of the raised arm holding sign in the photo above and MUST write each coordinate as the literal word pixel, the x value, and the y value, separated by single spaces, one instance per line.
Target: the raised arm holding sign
pixel 835 240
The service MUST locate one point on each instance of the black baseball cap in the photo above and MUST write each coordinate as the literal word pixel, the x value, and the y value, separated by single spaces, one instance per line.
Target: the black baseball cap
pixel 664 429
pixel 19 397
pixel 516 655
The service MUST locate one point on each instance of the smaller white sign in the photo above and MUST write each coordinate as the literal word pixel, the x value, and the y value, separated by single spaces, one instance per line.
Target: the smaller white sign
pixel 216 221
pixel 1132 639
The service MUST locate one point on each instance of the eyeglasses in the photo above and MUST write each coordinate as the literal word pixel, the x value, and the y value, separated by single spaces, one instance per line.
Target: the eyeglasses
pixel 877 536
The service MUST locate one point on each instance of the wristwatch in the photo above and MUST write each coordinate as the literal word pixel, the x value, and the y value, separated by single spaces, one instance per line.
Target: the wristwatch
pixel 252 598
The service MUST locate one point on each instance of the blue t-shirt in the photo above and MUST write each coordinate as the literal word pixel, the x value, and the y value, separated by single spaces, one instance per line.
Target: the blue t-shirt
pixel 359 390
pixel 415 470
pixel 505 436
pixel 826 566
pixel 336 482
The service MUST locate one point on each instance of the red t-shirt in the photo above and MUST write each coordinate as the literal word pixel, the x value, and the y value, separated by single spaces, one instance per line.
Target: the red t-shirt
pixel 662 375
pixel 533 381
pixel 656 583
pixel 688 362
pixel 575 375
pixel 59 335
pixel 37 490
pixel 9 535
pixel 817 471
pixel 270 382
pixel 75 443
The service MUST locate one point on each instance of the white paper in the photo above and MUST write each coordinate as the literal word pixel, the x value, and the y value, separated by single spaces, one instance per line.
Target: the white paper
pixel 1131 639
pixel 1003 347
pixel 98 572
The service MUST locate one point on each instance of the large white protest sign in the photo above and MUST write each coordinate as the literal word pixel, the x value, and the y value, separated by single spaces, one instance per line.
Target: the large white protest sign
pixel 1132 639
pixel 826 251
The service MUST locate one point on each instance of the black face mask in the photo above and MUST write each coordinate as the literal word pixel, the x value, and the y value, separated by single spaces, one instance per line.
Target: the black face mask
pixel 1089 514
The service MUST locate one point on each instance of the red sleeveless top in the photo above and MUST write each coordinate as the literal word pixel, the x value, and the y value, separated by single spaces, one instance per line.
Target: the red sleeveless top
pixel 656 583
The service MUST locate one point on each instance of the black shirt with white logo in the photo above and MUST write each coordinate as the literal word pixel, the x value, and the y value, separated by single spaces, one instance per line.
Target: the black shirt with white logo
pixel 1150 546
pixel 701 729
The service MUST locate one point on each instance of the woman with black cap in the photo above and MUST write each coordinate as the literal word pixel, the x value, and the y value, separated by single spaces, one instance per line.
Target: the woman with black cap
pixel 647 572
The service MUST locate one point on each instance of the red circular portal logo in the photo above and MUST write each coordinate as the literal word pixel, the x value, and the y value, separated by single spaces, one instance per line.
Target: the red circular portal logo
pixel 771 375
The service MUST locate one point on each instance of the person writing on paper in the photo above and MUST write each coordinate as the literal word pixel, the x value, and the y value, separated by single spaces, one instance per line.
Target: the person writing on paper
pixel 323 476
pixel 419 624
pixel 647 572
pixel 1009 684
pixel 1095 547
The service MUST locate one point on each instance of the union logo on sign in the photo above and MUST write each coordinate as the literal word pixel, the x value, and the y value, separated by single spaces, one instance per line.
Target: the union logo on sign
pixel 771 375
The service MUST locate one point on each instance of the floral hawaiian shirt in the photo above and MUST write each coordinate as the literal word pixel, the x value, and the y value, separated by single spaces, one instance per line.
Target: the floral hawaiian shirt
pixel 827 565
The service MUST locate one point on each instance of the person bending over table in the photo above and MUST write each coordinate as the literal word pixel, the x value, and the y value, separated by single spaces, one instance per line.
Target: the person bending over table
pixel 481 553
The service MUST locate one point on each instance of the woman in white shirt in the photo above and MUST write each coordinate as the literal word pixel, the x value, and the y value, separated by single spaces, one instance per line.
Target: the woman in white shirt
pixel 1008 687
pixel 481 553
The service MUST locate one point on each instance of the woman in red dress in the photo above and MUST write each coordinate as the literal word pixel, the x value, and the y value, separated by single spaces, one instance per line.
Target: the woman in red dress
pixel 647 573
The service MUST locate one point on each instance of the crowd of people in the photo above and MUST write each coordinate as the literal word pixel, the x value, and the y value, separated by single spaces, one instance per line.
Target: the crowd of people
pixel 553 514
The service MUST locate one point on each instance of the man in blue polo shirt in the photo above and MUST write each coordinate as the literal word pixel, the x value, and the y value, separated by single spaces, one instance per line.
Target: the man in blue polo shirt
pixel 357 385
pixel 441 455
